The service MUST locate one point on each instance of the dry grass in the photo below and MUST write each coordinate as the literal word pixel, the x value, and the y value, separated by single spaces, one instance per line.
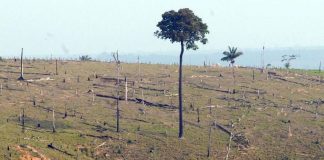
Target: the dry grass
pixel 88 132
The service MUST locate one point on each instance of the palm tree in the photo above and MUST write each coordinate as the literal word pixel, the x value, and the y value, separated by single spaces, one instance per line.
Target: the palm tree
pixel 230 56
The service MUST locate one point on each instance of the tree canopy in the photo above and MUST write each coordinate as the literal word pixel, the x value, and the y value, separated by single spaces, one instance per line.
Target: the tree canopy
pixel 231 54
pixel 182 26
pixel 287 58
pixel 85 58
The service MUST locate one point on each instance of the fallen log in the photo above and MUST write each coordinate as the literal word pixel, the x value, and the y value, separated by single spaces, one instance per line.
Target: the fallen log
pixel 206 87
pixel 152 89
pixel 238 138
pixel 147 103
pixel 289 81
pixel 98 137
pixel 51 146
pixel 113 79
pixel 192 124
pixel 223 129
pixel 141 101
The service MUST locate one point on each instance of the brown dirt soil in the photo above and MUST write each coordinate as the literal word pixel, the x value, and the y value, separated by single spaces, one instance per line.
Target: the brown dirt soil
pixel 26 155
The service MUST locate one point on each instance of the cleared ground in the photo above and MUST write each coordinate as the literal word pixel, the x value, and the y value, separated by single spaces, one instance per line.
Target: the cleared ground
pixel 259 114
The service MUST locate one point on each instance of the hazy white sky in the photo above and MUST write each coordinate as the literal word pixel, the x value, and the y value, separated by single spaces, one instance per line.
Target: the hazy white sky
pixel 94 26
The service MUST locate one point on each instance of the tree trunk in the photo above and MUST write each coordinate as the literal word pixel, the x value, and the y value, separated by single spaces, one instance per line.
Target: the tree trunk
pixel 23 120
pixel 229 146
pixel 56 67
pixel 93 97
pixel 180 93
pixel 117 112
pixel 139 69
pixel 198 117
pixel 53 121
pixel 320 67
pixel 126 90
pixel 21 66
pixel 209 141
pixel 233 70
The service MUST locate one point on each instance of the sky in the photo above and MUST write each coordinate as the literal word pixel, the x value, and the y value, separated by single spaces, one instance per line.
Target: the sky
pixel 69 27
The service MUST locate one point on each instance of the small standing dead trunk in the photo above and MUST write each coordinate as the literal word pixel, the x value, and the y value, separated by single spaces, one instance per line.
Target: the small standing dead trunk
pixel 56 72
pixel 244 96
pixel 320 79
pixel 93 97
pixel 126 90
pixel 1 89
pixel 289 131
pixel 229 146
pixel 34 101
pixel 253 76
pixel 22 117
pixel 117 111
pixel 53 121
pixel 65 112
pixel 21 66
pixel 320 67
pixel 192 107
pixel 143 98
pixel 209 141
pixel 316 113
pixel 117 114
pixel 115 55
pixel 198 116
pixel 258 93
pixel 210 108
pixel 164 91
pixel 74 111
pixel 133 93
pixel 139 68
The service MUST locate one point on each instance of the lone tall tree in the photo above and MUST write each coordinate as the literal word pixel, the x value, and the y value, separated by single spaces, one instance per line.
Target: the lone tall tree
pixel 230 56
pixel 186 28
